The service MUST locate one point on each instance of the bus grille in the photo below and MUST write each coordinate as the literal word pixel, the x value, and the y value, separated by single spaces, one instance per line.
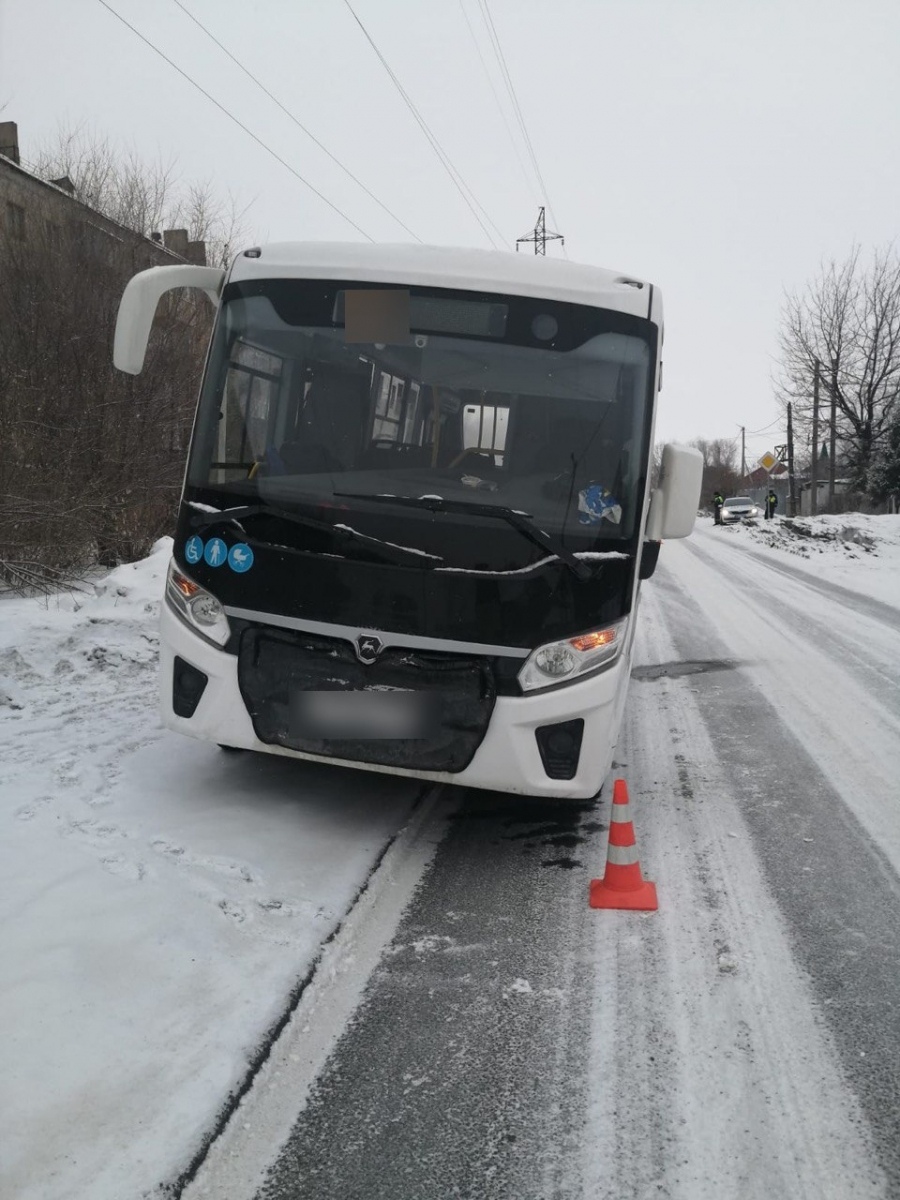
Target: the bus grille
pixel 276 666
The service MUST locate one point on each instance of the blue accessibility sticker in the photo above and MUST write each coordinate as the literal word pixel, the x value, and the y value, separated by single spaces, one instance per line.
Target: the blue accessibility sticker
pixel 596 504
pixel 240 558
pixel 216 552
pixel 193 550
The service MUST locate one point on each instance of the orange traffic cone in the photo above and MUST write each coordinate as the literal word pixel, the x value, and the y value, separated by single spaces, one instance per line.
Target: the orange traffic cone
pixel 622 886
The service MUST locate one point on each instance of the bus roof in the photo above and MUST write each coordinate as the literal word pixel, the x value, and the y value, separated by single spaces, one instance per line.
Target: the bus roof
pixel 452 267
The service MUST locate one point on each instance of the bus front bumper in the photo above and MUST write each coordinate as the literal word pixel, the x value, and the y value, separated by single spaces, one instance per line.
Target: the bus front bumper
pixel 508 759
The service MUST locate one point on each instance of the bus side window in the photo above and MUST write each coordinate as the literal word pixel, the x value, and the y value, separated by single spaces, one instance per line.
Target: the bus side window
pixel 249 399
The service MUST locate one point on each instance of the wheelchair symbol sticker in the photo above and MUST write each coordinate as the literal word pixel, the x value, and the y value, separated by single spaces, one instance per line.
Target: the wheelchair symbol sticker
pixel 193 551
pixel 240 558
pixel 216 552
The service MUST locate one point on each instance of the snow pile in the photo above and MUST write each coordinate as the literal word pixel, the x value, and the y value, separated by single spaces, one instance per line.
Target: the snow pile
pixel 87 644
pixel 846 532
pixel 159 900
pixel 855 550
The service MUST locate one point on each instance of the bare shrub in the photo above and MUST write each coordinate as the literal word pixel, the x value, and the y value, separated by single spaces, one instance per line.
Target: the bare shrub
pixel 92 460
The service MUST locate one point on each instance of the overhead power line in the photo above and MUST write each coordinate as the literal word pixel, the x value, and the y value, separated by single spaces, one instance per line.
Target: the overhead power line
pixel 517 109
pixel 458 182
pixel 296 120
pixel 529 181
pixel 765 428
pixel 240 124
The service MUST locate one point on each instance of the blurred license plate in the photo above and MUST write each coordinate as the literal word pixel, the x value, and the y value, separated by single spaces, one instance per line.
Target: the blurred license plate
pixel 362 715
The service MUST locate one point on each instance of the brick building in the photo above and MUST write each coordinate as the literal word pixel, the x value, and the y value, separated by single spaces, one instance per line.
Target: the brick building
pixel 34 209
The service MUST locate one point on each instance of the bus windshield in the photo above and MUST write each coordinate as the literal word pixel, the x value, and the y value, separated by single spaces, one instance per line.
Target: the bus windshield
pixel 328 392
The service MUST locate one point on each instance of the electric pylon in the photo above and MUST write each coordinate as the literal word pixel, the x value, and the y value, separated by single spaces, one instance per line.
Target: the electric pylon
pixel 540 235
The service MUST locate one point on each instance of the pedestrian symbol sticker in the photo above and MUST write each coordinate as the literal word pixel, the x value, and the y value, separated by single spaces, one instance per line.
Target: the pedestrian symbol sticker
pixel 216 552
pixel 193 551
pixel 240 558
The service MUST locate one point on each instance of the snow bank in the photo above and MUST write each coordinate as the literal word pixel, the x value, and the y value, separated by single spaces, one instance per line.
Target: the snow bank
pixel 159 900
pixel 854 550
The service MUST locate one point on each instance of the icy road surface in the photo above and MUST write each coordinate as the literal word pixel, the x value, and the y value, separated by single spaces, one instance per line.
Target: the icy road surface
pixel 164 906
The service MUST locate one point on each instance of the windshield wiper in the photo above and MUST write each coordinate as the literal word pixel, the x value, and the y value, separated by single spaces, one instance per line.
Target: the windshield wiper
pixel 520 521
pixel 387 550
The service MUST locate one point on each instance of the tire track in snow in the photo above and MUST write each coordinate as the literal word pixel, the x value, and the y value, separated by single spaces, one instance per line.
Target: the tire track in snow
pixel 838 895
pixel 858 604
pixel 715 1078
pixel 851 734
pixel 462 1071
pixel 878 673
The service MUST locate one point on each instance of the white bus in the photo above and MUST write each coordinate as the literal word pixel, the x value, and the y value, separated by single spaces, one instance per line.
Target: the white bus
pixel 417 510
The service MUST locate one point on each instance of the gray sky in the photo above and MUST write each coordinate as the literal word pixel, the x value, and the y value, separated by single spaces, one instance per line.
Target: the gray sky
pixel 719 148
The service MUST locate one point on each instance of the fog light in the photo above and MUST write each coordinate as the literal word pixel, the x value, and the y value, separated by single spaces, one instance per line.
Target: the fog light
pixel 560 748
pixel 188 685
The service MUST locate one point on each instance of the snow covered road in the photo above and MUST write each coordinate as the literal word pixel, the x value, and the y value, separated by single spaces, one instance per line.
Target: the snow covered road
pixel 765 1055
pixel 163 905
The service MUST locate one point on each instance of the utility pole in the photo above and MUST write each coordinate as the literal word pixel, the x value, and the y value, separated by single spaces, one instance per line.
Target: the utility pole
pixel 743 455
pixel 831 445
pixel 790 458
pixel 540 235
pixel 814 468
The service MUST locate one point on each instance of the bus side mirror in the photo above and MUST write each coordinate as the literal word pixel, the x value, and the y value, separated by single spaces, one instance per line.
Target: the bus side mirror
pixel 649 558
pixel 138 307
pixel 674 503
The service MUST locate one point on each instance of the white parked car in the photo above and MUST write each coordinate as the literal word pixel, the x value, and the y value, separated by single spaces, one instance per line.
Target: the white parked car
pixel 738 508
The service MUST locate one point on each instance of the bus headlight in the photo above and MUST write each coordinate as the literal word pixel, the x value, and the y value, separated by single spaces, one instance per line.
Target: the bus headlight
pixel 197 607
pixel 572 658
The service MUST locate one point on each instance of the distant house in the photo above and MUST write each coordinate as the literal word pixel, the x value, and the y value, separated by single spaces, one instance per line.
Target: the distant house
pixel 804 491
pixel 761 478
pixel 757 482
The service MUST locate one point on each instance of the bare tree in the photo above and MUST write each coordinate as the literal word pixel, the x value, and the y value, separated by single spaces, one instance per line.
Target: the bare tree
pixel 137 194
pixel 719 465
pixel 143 196
pixel 845 327
pixel 718 453
pixel 218 223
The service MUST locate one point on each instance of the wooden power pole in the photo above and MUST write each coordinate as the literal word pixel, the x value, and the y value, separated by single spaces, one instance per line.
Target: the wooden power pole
pixel 790 458
pixel 814 468
pixel 833 439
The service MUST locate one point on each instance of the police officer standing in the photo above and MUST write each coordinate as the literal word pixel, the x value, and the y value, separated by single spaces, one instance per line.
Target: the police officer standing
pixel 771 504
pixel 718 500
